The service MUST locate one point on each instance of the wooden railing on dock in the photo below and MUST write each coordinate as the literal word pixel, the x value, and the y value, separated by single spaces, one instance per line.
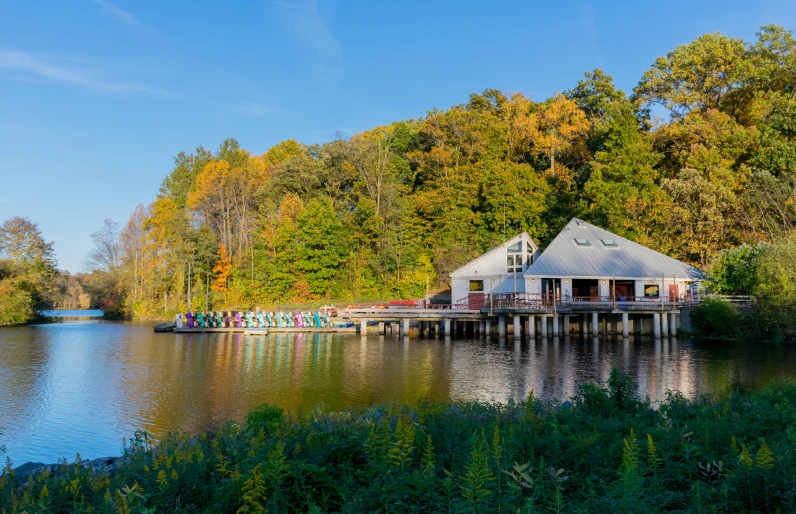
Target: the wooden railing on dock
pixel 549 303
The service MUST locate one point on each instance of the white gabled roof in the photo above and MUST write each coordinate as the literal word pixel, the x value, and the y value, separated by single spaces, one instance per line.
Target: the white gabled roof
pixel 523 236
pixel 564 258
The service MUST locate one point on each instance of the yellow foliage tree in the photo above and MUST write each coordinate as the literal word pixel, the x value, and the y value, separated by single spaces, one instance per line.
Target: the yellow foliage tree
pixel 561 122
pixel 222 268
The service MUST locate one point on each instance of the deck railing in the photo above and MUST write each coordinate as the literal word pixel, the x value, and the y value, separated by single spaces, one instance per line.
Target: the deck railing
pixel 549 302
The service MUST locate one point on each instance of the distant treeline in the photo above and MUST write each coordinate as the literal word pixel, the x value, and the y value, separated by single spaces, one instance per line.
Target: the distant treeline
pixel 30 281
pixel 382 213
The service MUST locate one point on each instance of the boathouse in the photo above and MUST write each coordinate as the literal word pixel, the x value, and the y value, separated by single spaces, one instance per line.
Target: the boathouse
pixel 587 280
pixel 498 271
pixel 585 263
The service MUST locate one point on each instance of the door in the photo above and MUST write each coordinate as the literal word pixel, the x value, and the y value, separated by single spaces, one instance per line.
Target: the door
pixel 475 301
pixel 674 292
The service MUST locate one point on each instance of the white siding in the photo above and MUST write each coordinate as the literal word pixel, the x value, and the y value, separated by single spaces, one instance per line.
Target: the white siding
pixel 492 269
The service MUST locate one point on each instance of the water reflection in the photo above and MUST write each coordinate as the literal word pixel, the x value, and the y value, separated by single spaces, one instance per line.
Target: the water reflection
pixel 83 386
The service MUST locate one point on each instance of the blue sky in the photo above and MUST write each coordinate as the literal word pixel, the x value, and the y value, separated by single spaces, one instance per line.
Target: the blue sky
pixel 98 96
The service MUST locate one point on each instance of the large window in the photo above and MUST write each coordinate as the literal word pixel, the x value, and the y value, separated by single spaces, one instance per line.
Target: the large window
pixel 476 286
pixel 514 258
pixel 514 263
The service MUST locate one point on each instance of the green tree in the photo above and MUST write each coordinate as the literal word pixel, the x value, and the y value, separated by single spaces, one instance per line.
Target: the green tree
pixel 706 73
pixel 27 271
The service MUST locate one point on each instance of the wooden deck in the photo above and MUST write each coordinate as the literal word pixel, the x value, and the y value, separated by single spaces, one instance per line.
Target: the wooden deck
pixel 399 313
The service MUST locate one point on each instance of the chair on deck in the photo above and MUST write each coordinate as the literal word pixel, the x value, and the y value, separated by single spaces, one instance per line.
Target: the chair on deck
pixel 238 322
pixel 327 319
pixel 200 319
pixel 317 319
pixel 249 320
pixel 189 319
pixel 260 319
pixel 219 319
pixel 307 319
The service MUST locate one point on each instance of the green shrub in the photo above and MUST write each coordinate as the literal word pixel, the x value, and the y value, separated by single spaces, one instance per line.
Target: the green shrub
pixel 715 318
pixel 265 417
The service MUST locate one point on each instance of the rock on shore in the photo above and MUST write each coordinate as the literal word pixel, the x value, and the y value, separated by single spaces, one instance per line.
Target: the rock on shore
pixel 108 465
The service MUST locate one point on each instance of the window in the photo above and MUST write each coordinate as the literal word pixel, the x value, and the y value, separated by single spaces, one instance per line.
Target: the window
pixel 582 241
pixel 514 263
pixel 610 243
pixel 476 285
pixel 515 248
pixel 652 291
pixel 529 259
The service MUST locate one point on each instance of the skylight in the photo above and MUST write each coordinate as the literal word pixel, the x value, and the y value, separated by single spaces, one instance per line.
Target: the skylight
pixel 582 241
pixel 610 243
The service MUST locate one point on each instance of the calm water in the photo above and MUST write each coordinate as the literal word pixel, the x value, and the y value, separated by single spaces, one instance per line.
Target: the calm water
pixel 84 386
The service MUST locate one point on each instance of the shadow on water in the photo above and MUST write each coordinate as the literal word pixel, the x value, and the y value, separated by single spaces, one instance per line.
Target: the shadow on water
pixel 84 386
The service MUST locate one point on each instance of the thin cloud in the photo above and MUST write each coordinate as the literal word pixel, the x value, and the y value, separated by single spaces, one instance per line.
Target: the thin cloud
pixel 87 79
pixel 252 109
pixel 304 20
pixel 119 13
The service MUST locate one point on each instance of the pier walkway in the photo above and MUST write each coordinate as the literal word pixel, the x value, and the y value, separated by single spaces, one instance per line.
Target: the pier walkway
pixel 529 314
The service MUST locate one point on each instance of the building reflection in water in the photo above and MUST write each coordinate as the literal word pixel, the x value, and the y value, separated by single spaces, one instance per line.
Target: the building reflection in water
pixel 82 387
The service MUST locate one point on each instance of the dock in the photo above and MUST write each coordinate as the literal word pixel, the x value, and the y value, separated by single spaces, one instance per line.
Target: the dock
pixel 264 330
pixel 527 314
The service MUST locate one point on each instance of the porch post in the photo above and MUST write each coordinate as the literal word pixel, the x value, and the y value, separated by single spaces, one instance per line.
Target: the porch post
pixel 447 327
pixel 531 326
pixel 625 322
pixel 502 326
pixel 595 325
pixel 566 324
pixel 584 324
pixel 517 327
pixel 665 324
pixel 673 324
pixel 656 325
pixel 488 327
pixel 363 327
pixel 544 326
pixel 555 326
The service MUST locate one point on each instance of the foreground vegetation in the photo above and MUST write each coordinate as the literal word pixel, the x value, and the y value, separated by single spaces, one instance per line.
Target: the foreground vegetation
pixel 608 452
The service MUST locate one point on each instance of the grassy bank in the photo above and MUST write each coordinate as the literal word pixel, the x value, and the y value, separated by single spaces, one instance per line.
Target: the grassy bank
pixel 607 452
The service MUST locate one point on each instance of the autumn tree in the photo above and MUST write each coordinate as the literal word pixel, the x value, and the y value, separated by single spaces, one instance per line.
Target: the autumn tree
pixel 221 270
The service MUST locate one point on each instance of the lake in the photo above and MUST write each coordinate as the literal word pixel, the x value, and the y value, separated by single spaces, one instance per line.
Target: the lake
pixel 83 386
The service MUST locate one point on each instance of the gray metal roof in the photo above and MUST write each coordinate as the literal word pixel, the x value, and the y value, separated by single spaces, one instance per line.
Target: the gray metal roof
pixel 564 258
